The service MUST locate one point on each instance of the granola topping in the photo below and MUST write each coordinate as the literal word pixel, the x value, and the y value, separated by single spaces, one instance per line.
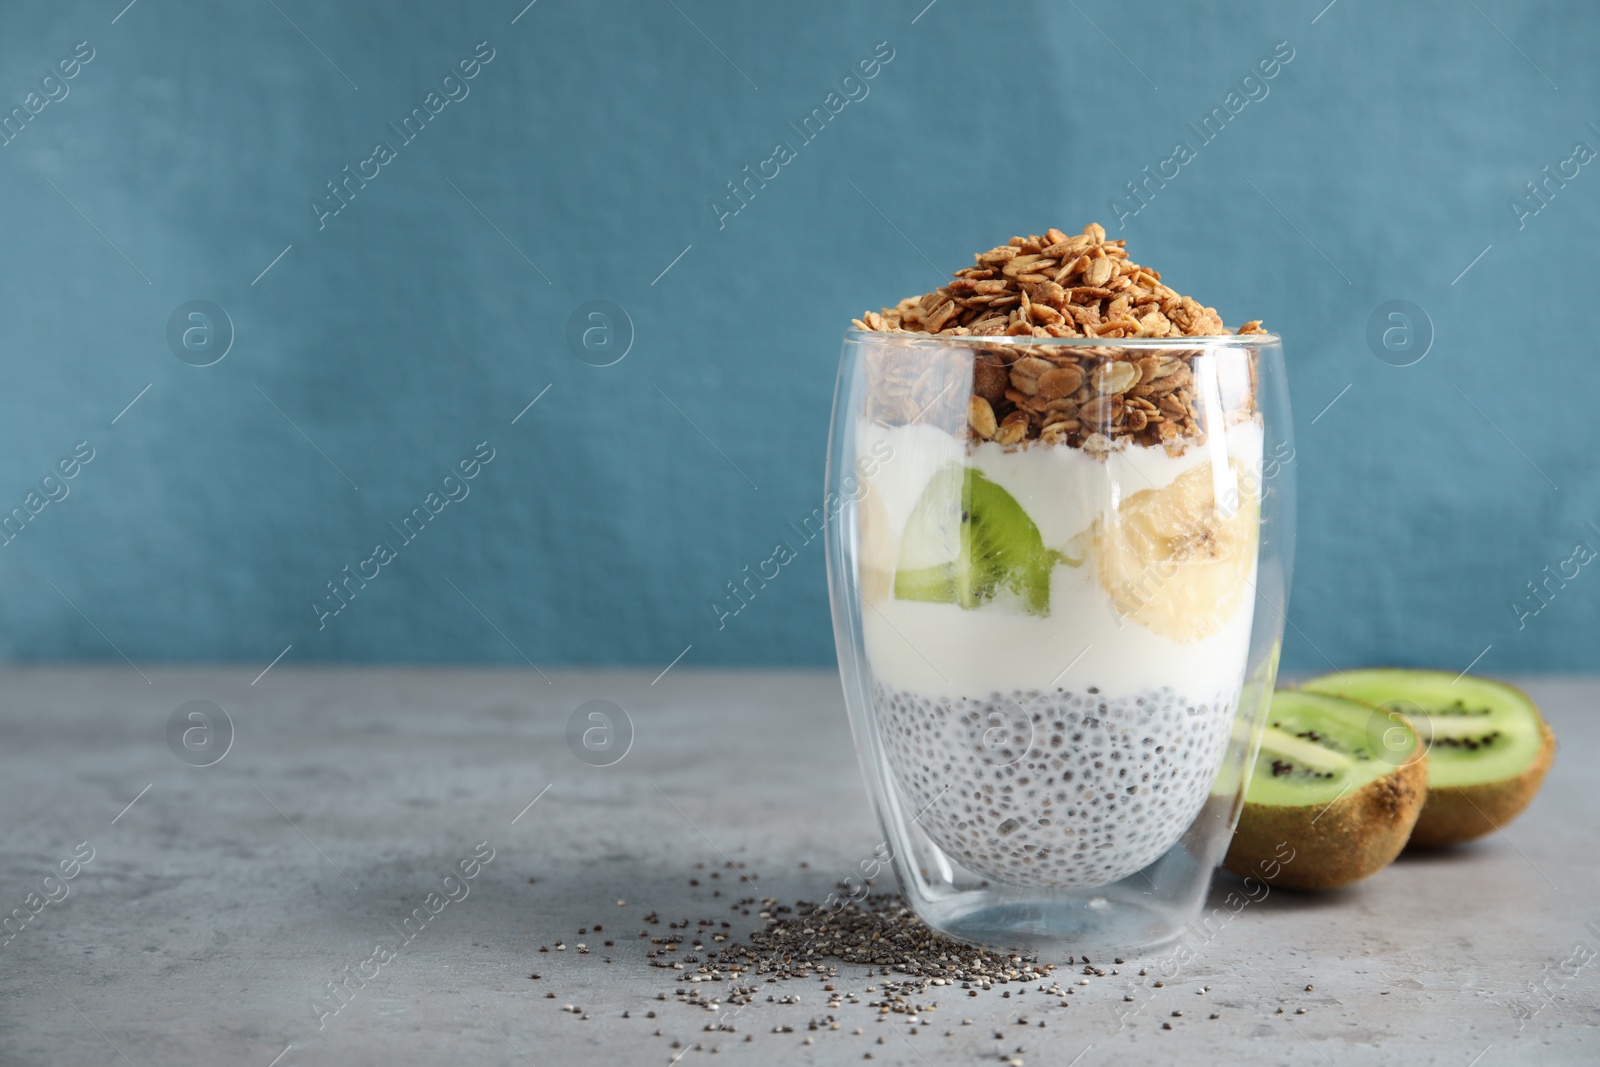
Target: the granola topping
pixel 1093 397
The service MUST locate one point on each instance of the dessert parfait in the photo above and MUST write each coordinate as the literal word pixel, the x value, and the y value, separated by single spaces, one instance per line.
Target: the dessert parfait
pixel 1056 556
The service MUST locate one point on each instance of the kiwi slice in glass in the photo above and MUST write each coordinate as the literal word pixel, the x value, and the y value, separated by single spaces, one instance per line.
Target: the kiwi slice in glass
pixel 1336 789
pixel 966 540
pixel 1489 747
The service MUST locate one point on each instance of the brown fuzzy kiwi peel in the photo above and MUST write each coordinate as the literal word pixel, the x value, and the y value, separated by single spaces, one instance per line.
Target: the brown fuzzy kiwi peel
pixel 1462 813
pixel 1334 844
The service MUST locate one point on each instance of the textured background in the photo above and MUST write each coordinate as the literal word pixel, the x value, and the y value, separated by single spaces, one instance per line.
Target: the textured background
pixel 378 350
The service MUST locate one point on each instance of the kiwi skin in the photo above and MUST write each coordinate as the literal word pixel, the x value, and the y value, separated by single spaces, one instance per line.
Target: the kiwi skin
pixel 1357 835
pixel 1461 813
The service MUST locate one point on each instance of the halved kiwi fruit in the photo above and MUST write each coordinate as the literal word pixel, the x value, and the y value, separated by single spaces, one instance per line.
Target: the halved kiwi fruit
pixel 1336 789
pixel 1489 747
pixel 966 540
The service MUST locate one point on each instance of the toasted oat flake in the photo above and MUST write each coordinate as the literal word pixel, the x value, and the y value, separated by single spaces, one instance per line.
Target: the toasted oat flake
pixel 981 417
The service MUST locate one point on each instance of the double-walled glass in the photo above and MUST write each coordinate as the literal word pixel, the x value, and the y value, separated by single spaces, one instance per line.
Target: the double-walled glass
pixel 1059 570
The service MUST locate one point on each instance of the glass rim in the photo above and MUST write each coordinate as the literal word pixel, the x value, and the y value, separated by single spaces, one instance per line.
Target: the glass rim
pixel 933 340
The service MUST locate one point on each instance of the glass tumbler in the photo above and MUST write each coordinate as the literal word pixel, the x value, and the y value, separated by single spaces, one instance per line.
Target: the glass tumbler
pixel 1058 571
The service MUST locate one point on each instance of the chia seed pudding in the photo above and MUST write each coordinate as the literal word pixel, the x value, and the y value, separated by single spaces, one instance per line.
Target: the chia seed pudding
pixel 1054 789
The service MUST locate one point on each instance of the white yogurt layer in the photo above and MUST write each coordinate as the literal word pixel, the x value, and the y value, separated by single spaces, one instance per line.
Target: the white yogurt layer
pixel 945 650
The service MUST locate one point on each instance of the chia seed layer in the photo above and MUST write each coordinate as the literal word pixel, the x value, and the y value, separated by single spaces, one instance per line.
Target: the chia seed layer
pixel 1054 789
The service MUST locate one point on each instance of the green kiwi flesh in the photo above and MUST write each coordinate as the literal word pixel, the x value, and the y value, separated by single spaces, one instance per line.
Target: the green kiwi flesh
pixel 1336 786
pixel 1489 747
pixel 968 539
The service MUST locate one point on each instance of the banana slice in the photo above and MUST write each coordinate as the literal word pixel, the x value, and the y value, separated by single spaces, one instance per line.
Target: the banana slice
pixel 1175 562
pixel 878 549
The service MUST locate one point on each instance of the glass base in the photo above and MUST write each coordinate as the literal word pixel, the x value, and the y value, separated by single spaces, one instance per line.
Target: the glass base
pixel 1136 915
pixel 1054 927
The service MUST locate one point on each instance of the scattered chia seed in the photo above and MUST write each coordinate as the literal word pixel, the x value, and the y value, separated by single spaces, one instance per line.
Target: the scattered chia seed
pixel 883 932
pixel 905 964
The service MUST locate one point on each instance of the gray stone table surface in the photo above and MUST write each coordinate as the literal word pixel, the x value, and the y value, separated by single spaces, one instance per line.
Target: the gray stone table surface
pixel 217 907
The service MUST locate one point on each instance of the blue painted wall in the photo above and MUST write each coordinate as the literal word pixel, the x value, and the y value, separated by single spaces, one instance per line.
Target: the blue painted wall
pixel 374 348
